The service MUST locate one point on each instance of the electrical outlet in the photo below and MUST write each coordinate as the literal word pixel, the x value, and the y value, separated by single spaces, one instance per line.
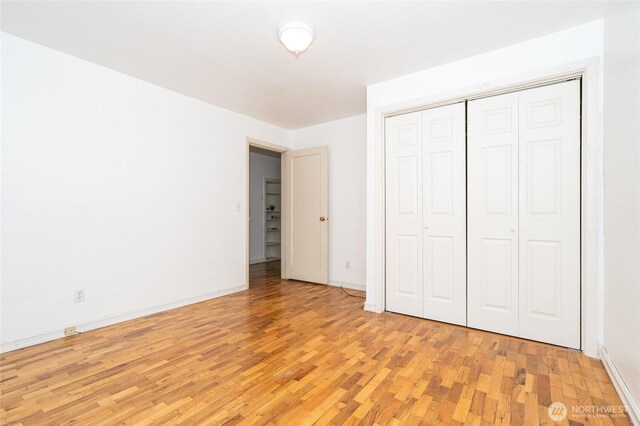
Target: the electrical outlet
pixel 347 264
pixel 78 295
pixel 70 331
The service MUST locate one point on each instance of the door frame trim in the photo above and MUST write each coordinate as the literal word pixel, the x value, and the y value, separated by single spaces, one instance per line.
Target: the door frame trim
pixel 591 197
pixel 270 147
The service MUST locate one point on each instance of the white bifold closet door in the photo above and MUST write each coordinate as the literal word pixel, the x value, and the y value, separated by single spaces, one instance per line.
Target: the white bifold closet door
pixel 523 160
pixel 404 214
pixel 550 214
pixel 444 214
pixel 425 232
pixel 492 211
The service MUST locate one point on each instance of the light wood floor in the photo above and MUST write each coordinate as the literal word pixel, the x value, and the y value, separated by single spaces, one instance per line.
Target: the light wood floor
pixel 294 353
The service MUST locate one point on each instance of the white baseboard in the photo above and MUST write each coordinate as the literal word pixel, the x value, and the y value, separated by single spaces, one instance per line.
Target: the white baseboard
pixel 621 387
pixel 351 286
pixel 369 307
pixel 92 325
pixel 592 351
pixel 261 260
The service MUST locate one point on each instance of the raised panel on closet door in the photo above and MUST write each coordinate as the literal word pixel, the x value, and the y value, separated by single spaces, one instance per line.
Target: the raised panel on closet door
pixel 492 213
pixel 444 214
pixel 550 214
pixel 403 140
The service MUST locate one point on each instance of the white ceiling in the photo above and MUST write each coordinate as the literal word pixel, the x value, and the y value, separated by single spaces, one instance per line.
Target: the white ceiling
pixel 227 53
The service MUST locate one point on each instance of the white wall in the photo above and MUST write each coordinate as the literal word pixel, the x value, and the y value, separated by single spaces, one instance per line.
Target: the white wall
pixel 117 186
pixel 574 44
pixel 260 167
pixel 346 140
pixel 622 190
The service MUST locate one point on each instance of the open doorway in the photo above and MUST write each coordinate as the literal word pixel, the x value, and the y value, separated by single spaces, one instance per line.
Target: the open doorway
pixel 287 215
pixel 265 212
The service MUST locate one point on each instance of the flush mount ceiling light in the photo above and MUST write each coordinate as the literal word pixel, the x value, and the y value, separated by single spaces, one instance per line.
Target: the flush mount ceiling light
pixel 296 36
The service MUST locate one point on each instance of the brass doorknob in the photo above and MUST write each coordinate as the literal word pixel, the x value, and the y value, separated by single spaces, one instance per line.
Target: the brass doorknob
pixel 322 218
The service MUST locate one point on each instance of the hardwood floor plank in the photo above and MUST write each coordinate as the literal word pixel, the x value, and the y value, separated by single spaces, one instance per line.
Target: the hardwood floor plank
pixel 286 352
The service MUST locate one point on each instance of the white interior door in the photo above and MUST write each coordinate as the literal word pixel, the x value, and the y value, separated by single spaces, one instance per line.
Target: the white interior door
pixel 492 167
pixel 305 213
pixel 549 229
pixel 404 214
pixel 444 214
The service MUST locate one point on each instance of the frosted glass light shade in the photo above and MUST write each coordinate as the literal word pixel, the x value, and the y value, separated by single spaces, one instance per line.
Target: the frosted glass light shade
pixel 296 36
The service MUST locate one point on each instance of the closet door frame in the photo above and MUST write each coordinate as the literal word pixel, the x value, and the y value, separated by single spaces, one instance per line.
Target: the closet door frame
pixel 591 200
